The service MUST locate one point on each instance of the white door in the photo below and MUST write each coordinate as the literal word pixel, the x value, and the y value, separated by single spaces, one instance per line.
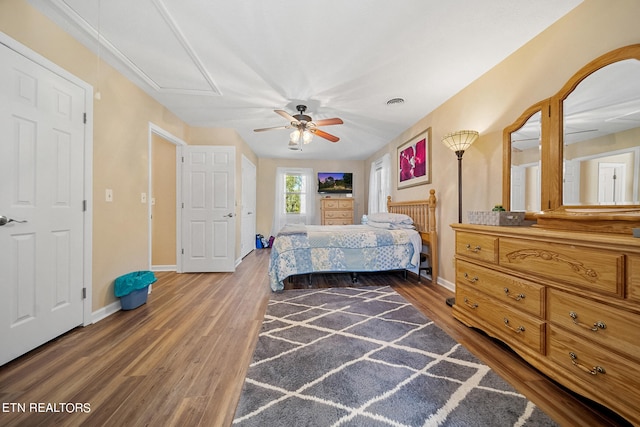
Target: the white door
pixel 208 209
pixel 518 188
pixel 611 179
pixel 248 219
pixel 571 182
pixel 41 183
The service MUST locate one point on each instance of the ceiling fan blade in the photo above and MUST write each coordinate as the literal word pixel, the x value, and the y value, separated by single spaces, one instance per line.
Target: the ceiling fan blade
pixel 287 116
pixel 325 135
pixel 273 128
pixel 327 122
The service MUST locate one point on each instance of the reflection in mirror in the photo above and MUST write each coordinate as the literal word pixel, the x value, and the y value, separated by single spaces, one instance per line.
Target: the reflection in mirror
pixel 601 137
pixel 525 166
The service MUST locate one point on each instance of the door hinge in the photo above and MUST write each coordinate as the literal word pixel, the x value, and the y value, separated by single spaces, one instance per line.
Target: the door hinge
pixel 84 206
pixel 84 293
pixel 182 251
pixel 84 118
pixel 182 205
pixel 182 159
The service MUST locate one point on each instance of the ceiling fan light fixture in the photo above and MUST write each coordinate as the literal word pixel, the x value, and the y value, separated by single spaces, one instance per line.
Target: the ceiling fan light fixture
pixel 307 136
pixel 294 137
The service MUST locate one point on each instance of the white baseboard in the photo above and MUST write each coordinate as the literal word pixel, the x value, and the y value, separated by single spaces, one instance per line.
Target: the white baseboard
pixel 446 284
pixel 163 268
pixel 106 311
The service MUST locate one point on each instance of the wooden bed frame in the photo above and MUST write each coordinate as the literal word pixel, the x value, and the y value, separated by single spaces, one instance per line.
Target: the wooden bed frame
pixel 423 213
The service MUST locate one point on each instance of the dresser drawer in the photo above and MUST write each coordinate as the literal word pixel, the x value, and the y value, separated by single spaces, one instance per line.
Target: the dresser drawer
pixel 596 372
pixel 633 277
pixel 511 326
pixel 603 325
pixel 338 221
pixel 477 246
pixel 338 214
pixel 517 293
pixel 599 271
pixel 337 204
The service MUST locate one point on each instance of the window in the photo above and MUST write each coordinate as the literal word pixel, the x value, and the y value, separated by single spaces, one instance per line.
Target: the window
pixel 295 194
pixel 379 184
pixel 294 198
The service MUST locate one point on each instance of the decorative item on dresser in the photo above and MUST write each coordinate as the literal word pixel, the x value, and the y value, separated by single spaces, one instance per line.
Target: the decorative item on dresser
pixel 567 302
pixel 336 211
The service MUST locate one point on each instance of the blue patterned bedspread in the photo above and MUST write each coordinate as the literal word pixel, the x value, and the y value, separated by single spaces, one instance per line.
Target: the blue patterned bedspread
pixel 348 248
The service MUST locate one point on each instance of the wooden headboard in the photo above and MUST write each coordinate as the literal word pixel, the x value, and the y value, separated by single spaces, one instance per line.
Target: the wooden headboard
pixel 423 213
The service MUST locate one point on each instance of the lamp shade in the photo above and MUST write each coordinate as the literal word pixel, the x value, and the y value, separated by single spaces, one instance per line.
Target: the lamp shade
pixel 461 140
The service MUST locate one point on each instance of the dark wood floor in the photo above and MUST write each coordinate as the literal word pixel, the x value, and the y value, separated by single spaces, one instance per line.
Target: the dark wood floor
pixel 181 358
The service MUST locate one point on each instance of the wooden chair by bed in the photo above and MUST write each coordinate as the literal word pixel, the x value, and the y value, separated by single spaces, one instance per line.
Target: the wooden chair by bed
pixel 423 213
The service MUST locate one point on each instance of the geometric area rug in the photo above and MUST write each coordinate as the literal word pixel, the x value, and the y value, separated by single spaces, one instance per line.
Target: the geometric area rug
pixel 366 357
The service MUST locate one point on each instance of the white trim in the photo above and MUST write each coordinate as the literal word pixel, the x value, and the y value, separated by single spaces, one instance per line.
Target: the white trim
pixel 106 311
pixel 157 130
pixel 163 268
pixel 446 284
pixel 88 163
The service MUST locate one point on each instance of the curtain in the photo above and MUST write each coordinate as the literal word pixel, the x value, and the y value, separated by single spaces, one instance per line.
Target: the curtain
pixel 379 184
pixel 307 192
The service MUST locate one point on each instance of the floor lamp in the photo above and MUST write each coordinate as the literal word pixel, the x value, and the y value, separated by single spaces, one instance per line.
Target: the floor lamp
pixel 459 142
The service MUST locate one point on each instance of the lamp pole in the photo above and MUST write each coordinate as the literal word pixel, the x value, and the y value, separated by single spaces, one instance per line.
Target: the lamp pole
pixel 459 153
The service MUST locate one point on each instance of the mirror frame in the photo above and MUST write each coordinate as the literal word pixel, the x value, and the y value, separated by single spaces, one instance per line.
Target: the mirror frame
pixel 506 153
pixel 552 139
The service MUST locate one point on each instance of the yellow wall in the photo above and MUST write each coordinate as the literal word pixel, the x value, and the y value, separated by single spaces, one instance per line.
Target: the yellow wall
pixel 163 173
pixel 532 73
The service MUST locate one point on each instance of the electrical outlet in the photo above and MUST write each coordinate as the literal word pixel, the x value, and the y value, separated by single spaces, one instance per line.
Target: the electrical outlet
pixel 108 195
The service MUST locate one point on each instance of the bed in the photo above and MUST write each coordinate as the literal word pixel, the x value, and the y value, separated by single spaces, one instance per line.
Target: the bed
pixel 378 246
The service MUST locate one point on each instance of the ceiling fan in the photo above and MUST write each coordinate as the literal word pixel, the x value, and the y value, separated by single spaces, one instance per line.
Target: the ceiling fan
pixel 304 127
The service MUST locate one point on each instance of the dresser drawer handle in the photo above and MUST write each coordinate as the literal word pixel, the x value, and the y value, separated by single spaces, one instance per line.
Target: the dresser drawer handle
pixel 472 306
pixel 593 371
pixel 517 330
pixel 517 297
pixel 476 249
pixel 473 279
pixel 594 328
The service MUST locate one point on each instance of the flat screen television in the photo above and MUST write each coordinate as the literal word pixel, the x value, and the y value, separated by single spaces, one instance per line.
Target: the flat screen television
pixel 335 182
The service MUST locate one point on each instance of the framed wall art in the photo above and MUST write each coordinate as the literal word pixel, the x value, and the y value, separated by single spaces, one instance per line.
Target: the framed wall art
pixel 414 161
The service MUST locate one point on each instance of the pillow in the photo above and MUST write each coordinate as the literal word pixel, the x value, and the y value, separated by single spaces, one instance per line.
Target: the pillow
pixel 376 224
pixel 390 226
pixel 393 218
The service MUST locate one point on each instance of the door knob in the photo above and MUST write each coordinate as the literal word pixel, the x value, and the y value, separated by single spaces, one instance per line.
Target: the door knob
pixel 229 215
pixel 4 220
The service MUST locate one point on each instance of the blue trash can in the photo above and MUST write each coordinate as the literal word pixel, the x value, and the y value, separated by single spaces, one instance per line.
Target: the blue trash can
pixel 133 288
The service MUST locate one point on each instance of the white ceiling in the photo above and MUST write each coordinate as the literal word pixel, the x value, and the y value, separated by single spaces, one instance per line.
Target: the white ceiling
pixel 218 63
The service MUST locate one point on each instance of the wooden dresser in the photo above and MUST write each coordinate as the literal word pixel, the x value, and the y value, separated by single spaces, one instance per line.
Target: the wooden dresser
pixel 334 211
pixel 568 302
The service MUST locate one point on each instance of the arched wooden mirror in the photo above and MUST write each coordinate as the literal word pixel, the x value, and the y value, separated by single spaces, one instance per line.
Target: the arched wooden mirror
pixel 589 149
